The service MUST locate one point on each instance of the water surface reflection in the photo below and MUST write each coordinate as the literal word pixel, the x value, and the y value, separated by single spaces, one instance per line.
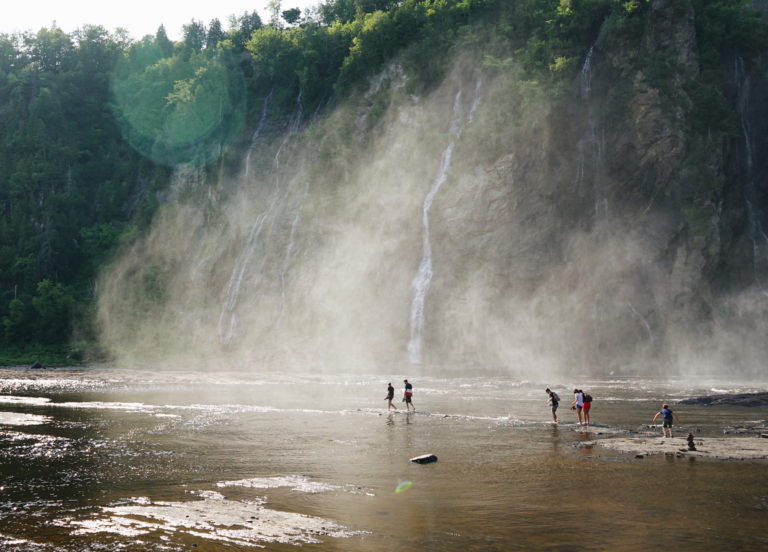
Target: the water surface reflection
pixel 134 460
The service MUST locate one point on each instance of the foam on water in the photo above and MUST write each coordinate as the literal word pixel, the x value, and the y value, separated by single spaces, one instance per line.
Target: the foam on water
pixel 32 401
pixel 298 483
pixel 212 518
pixel 8 542
pixel 18 419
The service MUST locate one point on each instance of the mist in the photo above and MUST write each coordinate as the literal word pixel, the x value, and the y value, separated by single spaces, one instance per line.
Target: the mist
pixel 541 259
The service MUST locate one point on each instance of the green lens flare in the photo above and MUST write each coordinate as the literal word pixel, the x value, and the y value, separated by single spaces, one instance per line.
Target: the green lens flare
pixel 179 109
pixel 402 487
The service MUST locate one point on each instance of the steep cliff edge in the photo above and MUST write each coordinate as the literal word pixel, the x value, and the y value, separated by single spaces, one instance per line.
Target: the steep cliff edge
pixel 611 225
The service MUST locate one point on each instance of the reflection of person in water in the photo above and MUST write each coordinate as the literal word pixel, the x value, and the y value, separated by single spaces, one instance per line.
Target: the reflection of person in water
pixel 390 396
pixel 408 396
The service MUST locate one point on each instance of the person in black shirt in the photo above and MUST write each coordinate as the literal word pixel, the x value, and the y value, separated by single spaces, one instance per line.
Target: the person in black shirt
pixel 554 402
pixel 408 396
pixel 390 396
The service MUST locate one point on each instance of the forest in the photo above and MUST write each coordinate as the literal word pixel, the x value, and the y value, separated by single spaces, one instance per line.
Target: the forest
pixel 93 123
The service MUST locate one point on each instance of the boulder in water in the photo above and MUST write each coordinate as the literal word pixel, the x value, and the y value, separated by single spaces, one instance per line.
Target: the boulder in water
pixel 36 365
pixel 425 459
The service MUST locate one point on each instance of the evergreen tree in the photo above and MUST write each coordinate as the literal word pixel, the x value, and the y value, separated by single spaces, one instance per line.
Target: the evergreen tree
pixel 215 35
pixel 163 42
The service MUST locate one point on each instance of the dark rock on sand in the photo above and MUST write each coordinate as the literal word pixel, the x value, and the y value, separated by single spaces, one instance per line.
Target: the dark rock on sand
pixel 730 399
pixel 425 459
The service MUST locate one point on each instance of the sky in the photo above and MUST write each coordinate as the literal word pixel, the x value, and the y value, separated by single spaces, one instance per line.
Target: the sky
pixel 140 17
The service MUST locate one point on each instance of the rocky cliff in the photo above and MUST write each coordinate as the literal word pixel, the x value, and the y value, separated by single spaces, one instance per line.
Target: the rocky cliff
pixel 490 222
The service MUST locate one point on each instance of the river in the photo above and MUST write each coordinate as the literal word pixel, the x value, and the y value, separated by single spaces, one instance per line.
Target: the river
pixel 167 460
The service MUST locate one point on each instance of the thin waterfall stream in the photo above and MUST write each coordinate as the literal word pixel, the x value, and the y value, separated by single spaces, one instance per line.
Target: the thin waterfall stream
pixel 265 219
pixel 424 274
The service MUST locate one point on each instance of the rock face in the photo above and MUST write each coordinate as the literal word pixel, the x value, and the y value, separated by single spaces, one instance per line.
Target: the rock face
pixel 613 234
pixel 604 229
pixel 739 399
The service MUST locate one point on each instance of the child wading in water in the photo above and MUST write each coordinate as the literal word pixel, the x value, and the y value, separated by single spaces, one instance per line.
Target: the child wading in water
pixel 667 414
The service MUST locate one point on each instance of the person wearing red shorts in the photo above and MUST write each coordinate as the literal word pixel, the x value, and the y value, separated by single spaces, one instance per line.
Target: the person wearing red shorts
pixel 587 398
pixel 408 396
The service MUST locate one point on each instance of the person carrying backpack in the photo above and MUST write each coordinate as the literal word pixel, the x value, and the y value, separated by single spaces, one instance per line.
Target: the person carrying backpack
pixel 408 396
pixel 554 402
pixel 587 405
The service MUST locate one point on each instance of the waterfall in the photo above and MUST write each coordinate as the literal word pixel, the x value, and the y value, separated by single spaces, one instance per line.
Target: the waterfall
pixel 757 234
pixel 589 160
pixel 264 222
pixel 742 107
pixel 589 173
pixel 643 321
pixel 585 76
pixel 228 317
pixel 256 134
pixel 424 274
pixel 293 128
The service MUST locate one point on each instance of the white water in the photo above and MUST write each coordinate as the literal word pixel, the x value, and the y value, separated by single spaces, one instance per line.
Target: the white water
pixel 424 274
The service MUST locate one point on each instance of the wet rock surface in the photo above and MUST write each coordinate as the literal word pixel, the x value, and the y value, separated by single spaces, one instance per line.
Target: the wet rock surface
pixel 730 399
pixel 722 448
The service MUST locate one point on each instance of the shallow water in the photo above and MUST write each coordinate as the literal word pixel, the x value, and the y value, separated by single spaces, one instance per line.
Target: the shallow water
pixel 107 459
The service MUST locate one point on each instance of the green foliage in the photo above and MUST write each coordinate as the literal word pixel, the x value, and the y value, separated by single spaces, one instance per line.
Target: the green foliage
pixel 49 355
pixel 65 172
pixel 728 25
pixel 53 308
pixel 179 109
pixel 241 28
pixel 291 16
pixel 17 322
